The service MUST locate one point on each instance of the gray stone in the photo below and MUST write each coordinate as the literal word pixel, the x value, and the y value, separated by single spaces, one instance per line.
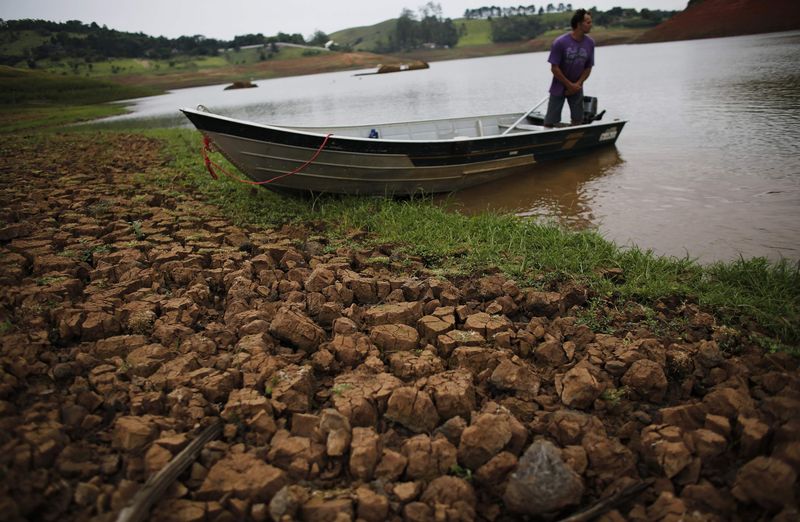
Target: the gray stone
pixel 543 482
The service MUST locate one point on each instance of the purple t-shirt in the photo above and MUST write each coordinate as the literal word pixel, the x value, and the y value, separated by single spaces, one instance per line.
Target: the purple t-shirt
pixel 572 58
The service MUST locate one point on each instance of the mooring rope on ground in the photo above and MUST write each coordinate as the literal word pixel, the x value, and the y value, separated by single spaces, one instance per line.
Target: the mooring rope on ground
pixel 210 164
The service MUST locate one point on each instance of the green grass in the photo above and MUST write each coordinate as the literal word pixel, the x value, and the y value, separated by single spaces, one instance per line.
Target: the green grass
pixel 477 32
pixel 756 294
pixel 365 38
pixel 29 118
pixel 34 99
pixel 20 87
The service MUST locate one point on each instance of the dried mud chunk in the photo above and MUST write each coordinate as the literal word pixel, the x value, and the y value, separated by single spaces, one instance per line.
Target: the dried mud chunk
pixel 362 397
pixel 663 448
pixel 294 387
pixel 320 508
pixel 569 427
pixel 686 416
pixel 578 388
pixel 412 408
pixel 335 430
pixel 494 473
pixel 295 454
pixel 486 437
pixel 542 483
pixel 542 304
pixel 395 337
pixel 365 450
pixel 350 349
pixel 147 359
pixel 453 496
pixel 179 510
pixel 728 402
pixel 516 377
pixel 432 326
pixel 217 385
pixel 174 373
pixel 666 507
pixel 707 444
pixel 391 466
pixel 319 278
pixel 706 498
pixel 46 438
pixel 118 346
pixel 408 366
pixel 453 393
pixel 752 436
pixel 475 359
pixel 647 380
pixel 426 458
pixel 609 459
pixel 767 482
pixel 397 313
pixel 297 329
pixel 455 338
pixel 364 289
pixel 487 325
pixel 372 507
pixel 242 475
pixel 245 404
pixel 132 433
pixel 551 353
pixel 98 325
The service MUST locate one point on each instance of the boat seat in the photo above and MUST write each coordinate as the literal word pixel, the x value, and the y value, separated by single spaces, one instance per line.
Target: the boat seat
pixel 521 126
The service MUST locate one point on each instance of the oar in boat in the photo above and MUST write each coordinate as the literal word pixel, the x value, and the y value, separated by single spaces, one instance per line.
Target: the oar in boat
pixel 525 115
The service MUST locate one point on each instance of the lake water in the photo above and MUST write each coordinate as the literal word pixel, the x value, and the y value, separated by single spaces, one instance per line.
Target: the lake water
pixel 708 165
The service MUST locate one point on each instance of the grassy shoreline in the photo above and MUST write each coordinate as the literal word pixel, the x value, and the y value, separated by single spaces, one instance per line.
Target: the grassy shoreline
pixel 758 295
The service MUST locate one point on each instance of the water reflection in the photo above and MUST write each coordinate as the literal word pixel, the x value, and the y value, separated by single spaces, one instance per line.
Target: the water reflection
pixel 557 190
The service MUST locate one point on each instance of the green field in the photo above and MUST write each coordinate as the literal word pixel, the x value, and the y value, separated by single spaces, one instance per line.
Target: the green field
pixel 475 32
pixel 35 99
pixel 366 38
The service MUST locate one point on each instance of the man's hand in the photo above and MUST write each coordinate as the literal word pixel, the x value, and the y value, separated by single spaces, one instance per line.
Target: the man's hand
pixel 573 88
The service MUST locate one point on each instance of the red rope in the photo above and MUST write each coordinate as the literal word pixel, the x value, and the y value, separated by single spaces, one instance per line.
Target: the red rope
pixel 210 164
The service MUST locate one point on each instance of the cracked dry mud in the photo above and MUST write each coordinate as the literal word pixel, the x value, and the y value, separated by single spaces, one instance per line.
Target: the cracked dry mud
pixel 353 384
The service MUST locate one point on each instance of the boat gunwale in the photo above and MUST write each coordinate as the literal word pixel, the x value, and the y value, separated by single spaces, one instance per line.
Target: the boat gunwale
pixel 323 135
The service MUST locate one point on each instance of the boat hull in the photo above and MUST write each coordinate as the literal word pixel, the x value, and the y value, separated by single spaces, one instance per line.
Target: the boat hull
pixel 391 167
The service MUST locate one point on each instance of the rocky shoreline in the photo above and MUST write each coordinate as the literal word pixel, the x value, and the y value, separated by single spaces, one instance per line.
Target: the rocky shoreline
pixel 352 384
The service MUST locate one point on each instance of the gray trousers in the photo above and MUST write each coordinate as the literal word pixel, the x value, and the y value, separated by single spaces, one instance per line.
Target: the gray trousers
pixel 556 104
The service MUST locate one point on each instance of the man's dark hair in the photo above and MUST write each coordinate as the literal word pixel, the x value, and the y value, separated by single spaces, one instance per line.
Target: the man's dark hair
pixel 578 17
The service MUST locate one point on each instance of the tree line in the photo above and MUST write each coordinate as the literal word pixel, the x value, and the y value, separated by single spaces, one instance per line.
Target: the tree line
pixel 427 27
pixel 92 42
pixel 424 28
pixel 515 26
pixel 484 13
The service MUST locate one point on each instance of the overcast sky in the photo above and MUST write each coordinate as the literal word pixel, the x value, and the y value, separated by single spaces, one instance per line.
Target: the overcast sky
pixel 224 19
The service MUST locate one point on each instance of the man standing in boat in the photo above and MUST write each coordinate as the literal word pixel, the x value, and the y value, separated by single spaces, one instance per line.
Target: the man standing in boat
pixel 571 61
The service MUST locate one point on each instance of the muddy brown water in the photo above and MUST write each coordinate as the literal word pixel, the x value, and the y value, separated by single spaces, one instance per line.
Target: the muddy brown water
pixel 707 165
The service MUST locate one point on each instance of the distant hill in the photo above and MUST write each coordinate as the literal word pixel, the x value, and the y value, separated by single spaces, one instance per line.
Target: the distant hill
pixel 365 38
pixel 717 18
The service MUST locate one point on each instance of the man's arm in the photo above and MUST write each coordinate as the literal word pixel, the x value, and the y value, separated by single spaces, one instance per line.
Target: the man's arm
pixel 584 76
pixel 559 75
pixel 571 87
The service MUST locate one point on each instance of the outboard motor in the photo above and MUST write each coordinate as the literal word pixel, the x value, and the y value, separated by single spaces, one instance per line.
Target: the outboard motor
pixel 590 110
